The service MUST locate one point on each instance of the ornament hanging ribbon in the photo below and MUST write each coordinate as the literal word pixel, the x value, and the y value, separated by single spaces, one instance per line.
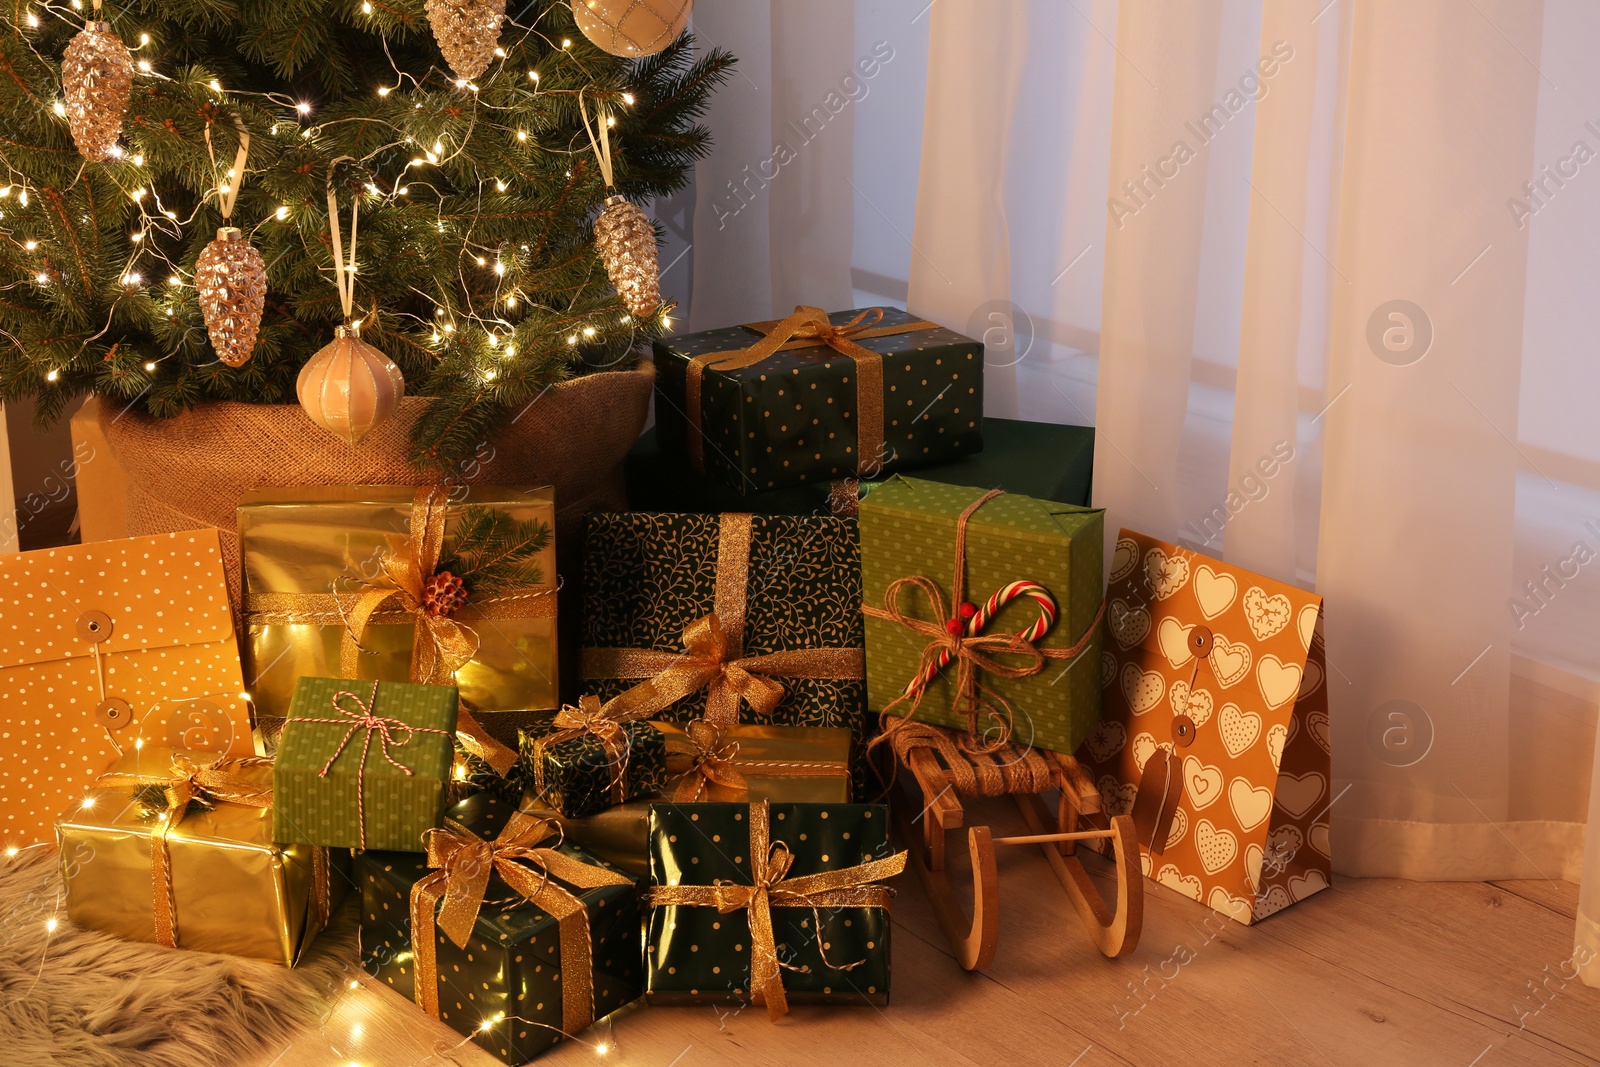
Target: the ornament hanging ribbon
pixel 601 144
pixel 344 272
pixel 442 644
pixel 809 327
pixel 220 782
pixel 363 719
pixel 707 766
pixel 602 722
pixel 959 639
pixel 464 864
pixel 228 189
pixel 771 887
pixel 713 650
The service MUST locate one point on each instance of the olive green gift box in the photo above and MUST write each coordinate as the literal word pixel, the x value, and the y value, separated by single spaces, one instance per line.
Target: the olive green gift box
pixel 399 807
pixel 908 527
pixel 791 419
pixel 699 955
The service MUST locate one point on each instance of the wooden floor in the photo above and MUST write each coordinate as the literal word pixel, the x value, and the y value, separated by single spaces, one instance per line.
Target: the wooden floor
pixel 1367 974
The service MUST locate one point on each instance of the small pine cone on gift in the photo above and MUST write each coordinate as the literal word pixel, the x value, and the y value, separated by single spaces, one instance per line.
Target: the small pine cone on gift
pixel 444 594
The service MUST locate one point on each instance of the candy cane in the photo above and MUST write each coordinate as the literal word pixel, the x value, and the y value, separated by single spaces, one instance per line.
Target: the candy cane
pixel 976 619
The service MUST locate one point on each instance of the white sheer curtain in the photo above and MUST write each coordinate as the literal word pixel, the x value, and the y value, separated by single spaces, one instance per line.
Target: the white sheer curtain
pixel 1225 230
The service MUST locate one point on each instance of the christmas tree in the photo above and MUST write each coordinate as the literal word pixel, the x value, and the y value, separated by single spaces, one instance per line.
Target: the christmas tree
pixel 477 270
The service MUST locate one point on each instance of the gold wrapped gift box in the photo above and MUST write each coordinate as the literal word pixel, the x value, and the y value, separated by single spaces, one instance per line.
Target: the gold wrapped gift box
pixel 790 764
pixel 302 544
pixel 232 890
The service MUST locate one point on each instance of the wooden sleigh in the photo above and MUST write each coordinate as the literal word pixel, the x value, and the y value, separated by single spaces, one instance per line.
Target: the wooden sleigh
pixel 940 772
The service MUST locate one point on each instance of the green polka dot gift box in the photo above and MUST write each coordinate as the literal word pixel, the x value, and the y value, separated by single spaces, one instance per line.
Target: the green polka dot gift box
pixel 769 903
pixel 531 940
pixel 1021 599
pixel 816 397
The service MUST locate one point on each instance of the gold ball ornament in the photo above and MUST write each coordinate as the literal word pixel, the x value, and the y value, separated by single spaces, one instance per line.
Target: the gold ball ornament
pixel 349 387
pixel 627 243
pixel 230 278
pixel 632 28
pixel 468 32
pixel 96 81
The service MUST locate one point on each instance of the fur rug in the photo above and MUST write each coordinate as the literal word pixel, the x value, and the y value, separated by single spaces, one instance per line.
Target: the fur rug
pixel 71 996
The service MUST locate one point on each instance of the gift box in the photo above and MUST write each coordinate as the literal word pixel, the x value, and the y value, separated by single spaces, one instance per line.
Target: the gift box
pixel 499 933
pixel 177 848
pixel 103 647
pixel 769 903
pixel 1031 650
pixel 747 763
pixel 360 581
pixel 580 761
pixel 1036 459
pixel 1216 735
pixel 726 612
pixel 816 397
pixel 363 764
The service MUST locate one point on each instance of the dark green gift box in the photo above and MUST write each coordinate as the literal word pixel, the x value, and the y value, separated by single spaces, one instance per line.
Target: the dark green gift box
pixel 578 772
pixel 648 576
pixel 510 970
pixel 908 528
pixel 696 954
pixel 792 418
pixel 1037 459
pixel 398 807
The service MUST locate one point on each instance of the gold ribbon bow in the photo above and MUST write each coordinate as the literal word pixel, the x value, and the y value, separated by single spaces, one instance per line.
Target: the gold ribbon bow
pixel 703 759
pixel 602 722
pixel 971 654
pixel 771 887
pixel 808 327
pixel 464 863
pixel 214 783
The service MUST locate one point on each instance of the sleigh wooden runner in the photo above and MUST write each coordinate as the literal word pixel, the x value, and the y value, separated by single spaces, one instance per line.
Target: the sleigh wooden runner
pixel 942 771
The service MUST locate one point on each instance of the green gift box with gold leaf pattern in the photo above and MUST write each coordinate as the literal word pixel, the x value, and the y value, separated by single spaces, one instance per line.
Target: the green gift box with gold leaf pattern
pixel 816 397
pixel 1018 603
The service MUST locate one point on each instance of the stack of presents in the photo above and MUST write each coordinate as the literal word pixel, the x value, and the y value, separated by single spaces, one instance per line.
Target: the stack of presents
pixel 838 570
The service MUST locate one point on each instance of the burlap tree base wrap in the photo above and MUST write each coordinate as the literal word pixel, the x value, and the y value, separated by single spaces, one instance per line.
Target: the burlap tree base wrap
pixel 190 471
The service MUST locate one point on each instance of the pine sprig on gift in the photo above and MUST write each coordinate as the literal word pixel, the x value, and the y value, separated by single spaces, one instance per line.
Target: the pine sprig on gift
pixel 152 800
pixel 492 551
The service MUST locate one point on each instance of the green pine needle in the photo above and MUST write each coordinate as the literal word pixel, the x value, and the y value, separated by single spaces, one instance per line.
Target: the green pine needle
pixel 493 552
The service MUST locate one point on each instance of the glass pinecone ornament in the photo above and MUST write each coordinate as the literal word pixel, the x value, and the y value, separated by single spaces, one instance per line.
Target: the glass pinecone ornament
pixel 632 28
pixel 627 242
pixel 467 32
pixel 230 278
pixel 349 387
pixel 443 594
pixel 96 81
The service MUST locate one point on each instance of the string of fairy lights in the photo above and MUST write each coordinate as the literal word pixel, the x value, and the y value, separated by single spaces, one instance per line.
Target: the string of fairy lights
pixel 457 326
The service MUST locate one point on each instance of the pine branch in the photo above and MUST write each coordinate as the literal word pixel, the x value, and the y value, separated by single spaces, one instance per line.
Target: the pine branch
pixel 492 551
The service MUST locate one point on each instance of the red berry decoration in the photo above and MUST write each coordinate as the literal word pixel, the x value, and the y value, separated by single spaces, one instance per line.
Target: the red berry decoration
pixel 444 594
pixel 968 610
pixel 955 626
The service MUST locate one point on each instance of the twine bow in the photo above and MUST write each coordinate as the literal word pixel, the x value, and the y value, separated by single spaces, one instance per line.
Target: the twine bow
pixel 704 758
pixel 972 653
pixel 464 863
pixel 365 720
pixel 771 887
pixel 809 327
pixel 220 782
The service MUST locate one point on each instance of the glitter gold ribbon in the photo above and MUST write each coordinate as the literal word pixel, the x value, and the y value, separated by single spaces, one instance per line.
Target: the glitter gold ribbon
pixel 713 656
pixel 442 644
pixel 464 862
pixel 186 780
pixel 808 327
pixel 771 887
pixel 972 654
pixel 707 761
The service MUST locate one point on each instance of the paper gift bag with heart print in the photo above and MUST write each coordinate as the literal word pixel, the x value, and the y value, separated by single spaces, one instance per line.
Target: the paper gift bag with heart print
pixel 1215 732
pixel 104 647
